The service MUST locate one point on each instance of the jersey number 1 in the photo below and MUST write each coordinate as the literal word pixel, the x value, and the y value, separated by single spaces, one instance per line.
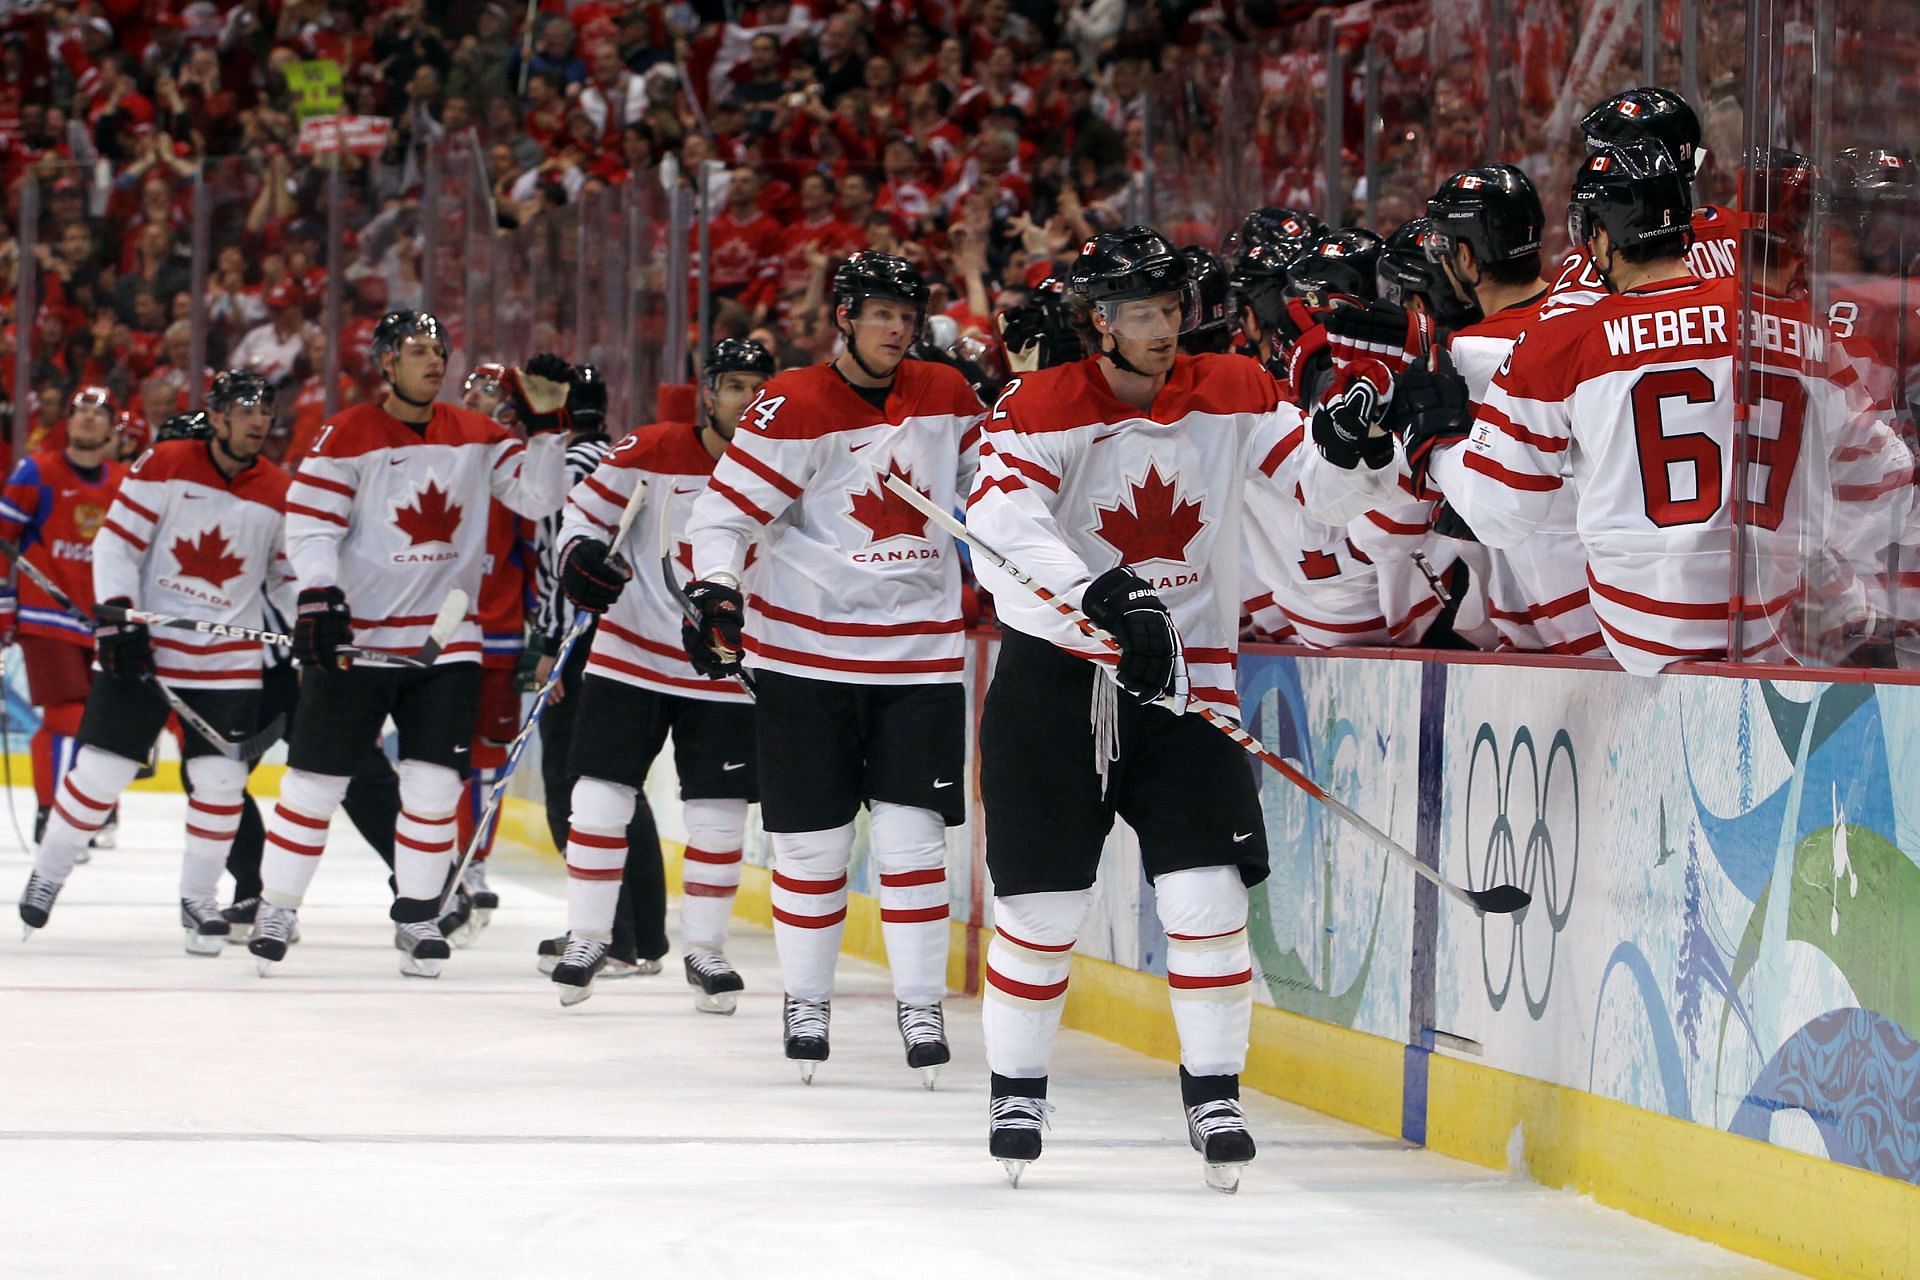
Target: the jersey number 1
pixel 1661 455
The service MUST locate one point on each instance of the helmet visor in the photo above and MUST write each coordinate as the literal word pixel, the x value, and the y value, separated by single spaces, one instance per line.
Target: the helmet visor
pixel 1162 316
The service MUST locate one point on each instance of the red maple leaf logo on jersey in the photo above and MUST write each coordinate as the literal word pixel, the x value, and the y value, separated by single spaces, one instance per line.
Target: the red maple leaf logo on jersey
pixel 431 518
pixel 1150 524
pixel 683 552
pixel 885 513
pixel 208 558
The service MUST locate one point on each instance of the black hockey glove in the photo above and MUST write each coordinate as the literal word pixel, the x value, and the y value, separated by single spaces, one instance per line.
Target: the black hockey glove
pixel 1122 604
pixel 540 396
pixel 713 644
pixel 322 624
pixel 123 648
pixel 1448 524
pixel 591 578
pixel 1349 426
pixel 1309 367
pixel 1430 408
pixel 1384 330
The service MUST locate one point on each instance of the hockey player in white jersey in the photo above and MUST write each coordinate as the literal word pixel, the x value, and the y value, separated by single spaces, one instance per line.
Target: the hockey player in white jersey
pixel 194 532
pixel 851 627
pixel 386 518
pixel 1118 482
pixel 639 686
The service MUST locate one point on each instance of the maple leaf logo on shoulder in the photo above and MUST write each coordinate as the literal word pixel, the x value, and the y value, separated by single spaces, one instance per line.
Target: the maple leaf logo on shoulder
pixel 1151 523
pixel 430 517
pixel 209 558
pixel 885 513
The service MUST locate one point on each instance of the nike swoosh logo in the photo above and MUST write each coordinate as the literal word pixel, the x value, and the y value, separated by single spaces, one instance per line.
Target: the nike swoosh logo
pixel 938 785
pixel 858 447
pixel 1108 436
pixel 729 768
pixel 699 488
pixel 459 751
pixel 1242 837
pixel 191 497
pixel 397 462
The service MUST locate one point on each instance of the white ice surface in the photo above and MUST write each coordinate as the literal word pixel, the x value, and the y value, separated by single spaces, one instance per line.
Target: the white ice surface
pixel 162 1115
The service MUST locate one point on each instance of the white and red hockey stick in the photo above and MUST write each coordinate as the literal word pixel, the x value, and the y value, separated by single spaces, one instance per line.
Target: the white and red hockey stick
pixel 1500 899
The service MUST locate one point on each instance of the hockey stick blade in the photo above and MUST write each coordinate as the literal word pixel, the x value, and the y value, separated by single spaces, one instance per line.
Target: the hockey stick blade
pixel 453 612
pixel 1499 899
pixel 245 749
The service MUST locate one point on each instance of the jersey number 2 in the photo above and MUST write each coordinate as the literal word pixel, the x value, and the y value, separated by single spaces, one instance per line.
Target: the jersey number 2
pixel 1662 455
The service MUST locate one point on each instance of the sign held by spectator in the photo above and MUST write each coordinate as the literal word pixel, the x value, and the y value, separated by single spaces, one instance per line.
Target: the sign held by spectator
pixel 331 135
pixel 316 88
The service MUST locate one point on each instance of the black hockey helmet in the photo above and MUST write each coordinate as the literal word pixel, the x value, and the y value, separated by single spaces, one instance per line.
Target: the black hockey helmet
pixel 1209 274
pixel 878 275
pixel 1635 193
pixel 1777 191
pixel 1259 282
pixel 1134 262
pixel 737 355
pixel 397 326
pixel 238 387
pixel 1343 261
pixel 1407 271
pixel 587 398
pixel 184 426
pixel 1290 230
pixel 1491 208
pixel 1647 114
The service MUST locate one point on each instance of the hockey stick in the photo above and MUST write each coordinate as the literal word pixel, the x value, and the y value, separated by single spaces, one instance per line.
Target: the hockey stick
pixel 680 597
pixel 246 750
pixel 1502 899
pixel 497 793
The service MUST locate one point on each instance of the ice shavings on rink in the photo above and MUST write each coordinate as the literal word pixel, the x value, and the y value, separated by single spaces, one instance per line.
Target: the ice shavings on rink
pixel 162 1114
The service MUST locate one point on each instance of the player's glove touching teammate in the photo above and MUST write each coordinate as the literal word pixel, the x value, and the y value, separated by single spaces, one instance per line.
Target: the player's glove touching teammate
pixel 1122 604
pixel 123 648
pixel 322 624
pixel 1349 425
pixel 591 578
pixel 1430 408
pixel 713 644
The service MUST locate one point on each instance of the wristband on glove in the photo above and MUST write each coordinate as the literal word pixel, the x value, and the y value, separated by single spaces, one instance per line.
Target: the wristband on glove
pixel 124 649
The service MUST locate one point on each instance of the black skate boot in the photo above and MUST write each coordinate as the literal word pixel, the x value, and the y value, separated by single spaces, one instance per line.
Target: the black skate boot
pixel 923 1029
pixel 549 951
pixel 718 981
pixel 418 933
pixel 1217 1127
pixel 36 903
pixel 456 923
pixel 804 1024
pixel 1017 1111
pixel 239 918
pixel 205 927
pixel 579 965
pixel 273 928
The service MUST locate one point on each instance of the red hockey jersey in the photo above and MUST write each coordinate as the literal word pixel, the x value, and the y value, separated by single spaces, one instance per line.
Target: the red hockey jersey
pixel 395 516
pixel 1714 255
pixel 183 539
pixel 53 512
pixel 506 587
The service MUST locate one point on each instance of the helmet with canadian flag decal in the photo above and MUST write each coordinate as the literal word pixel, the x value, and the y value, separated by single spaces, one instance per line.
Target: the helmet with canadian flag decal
pixel 1637 196
pixel 1647 114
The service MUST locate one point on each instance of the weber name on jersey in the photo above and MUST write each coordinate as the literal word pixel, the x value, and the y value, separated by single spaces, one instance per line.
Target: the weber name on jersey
pixel 396 516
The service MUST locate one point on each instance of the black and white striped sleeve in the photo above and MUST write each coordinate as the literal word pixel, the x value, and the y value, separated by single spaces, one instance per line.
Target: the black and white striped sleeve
pixel 553 615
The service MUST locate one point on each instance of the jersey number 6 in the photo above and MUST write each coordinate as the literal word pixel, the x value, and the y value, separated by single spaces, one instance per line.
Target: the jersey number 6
pixel 1662 455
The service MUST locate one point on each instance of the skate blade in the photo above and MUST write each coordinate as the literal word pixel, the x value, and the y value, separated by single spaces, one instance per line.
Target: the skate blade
pixel 482 917
pixel 1225 1178
pixel 205 944
pixel 263 965
pixel 929 1076
pixel 464 936
pixel 647 968
pixel 571 996
pixel 26 932
pixel 240 936
pixel 806 1071
pixel 417 968
pixel 547 964
pixel 1014 1169
pixel 723 1002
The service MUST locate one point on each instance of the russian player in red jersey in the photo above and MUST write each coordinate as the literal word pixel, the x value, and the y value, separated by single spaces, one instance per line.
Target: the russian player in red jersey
pixel 852 630
pixel 55 503
pixel 194 532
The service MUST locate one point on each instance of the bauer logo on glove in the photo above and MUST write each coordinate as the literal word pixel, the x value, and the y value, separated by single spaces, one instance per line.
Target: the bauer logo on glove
pixel 1349 426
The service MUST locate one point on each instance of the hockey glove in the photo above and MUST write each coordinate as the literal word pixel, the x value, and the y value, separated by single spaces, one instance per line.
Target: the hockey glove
pixel 123 648
pixel 1383 330
pixel 1021 331
pixel 1431 408
pixel 1309 366
pixel 539 393
pixel 713 644
pixel 591 578
pixel 322 623
pixel 1121 603
pixel 1349 426
pixel 1448 523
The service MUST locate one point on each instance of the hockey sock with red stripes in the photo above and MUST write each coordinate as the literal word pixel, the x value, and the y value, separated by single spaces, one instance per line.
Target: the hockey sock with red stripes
pixel 1027 966
pixel 297 834
pixel 423 836
pixel 810 907
pixel 1209 966
pixel 85 799
pixel 596 855
pixel 213 819
pixel 710 873
pixel 910 854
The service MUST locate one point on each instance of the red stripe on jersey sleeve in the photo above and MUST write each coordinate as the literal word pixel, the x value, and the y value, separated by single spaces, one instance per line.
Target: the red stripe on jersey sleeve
pixel 1395 526
pixel 509 455
pixel 1281 452
pixel 1512 479
pixel 1005 484
pixel 137 509
pixel 1508 427
pixel 606 494
pixel 827 627
pixel 766 473
pixel 1662 608
pixel 728 492
pixel 110 527
pixel 639 641
pixel 1033 471
pixel 331 486
pixel 296 509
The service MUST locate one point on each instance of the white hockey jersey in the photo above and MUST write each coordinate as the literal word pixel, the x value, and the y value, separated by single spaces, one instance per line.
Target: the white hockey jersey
pixel 189 542
pixel 1633 397
pixel 1074 481
pixel 1713 255
pixel 637 641
pixel 396 516
pixel 851 583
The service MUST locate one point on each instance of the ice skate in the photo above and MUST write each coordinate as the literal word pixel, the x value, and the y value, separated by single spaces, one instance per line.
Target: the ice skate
pixel 1217 1128
pixel 240 918
pixel 923 1029
pixel 273 928
pixel 457 926
pixel 718 981
pixel 205 927
pixel 549 952
pixel 426 948
pixel 485 900
pixel 805 1027
pixel 619 968
pixel 1016 1113
pixel 36 903
pixel 582 961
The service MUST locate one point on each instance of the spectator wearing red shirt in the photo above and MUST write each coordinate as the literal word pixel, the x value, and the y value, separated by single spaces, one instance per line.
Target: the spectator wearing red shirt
pixel 930 122
pixel 117 107
pixel 746 245
pixel 546 114
pixel 817 229
pixel 904 193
